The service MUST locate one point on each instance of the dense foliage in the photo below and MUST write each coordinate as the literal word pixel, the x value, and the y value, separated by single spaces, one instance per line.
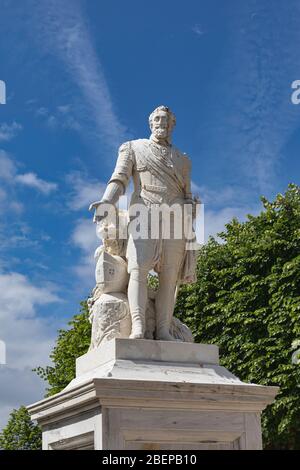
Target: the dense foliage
pixel 247 300
pixel 20 433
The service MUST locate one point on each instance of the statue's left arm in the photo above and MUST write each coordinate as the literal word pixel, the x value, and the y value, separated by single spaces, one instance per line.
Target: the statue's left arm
pixel 188 268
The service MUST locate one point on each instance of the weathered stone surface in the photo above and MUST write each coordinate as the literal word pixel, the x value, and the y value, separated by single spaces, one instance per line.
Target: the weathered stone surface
pixel 143 394
pixel 110 318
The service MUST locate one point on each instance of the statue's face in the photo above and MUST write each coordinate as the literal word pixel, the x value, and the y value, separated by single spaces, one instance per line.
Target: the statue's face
pixel 160 125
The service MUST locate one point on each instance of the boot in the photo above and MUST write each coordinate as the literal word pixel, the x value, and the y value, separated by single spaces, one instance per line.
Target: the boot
pixel 163 334
pixel 138 326
pixel 163 329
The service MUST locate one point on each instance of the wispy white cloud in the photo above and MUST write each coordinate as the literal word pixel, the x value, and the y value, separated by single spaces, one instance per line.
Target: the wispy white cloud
pixel 215 220
pixel 62 117
pixel 223 204
pixel 63 30
pixel 19 299
pixel 84 237
pixel 41 111
pixel 223 196
pixel 28 337
pixel 17 234
pixel 11 178
pixel 198 30
pixel 9 131
pixel 195 187
pixel 252 117
pixel 7 166
pixel 33 181
pixel 8 199
pixel 2 195
pixel 83 191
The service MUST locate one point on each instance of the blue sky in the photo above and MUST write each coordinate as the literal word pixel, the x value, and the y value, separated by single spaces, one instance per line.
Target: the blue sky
pixel 82 77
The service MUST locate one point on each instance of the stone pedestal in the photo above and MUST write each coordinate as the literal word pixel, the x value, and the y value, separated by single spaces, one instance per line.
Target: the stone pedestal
pixel 143 394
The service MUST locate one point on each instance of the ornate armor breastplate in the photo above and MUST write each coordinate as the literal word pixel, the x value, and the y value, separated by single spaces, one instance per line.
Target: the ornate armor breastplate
pixel 158 176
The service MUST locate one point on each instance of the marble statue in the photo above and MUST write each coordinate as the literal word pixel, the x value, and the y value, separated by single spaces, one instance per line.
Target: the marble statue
pixel 143 384
pixel 122 304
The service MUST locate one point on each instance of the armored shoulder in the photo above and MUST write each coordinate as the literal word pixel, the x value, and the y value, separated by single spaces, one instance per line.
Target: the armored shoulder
pixel 123 168
pixel 125 147
pixel 138 144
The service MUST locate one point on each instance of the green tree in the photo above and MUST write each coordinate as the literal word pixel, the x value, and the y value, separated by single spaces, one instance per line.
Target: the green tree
pixel 20 432
pixel 70 344
pixel 247 301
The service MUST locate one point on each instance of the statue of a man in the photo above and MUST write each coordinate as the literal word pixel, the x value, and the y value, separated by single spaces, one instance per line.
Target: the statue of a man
pixel 161 175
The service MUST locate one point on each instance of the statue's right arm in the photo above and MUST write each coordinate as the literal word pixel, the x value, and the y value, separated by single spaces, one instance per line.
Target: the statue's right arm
pixel 120 178
pixel 113 191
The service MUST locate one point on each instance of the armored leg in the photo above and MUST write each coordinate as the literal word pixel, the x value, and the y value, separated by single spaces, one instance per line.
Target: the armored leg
pixel 137 298
pixel 140 260
pixel 165 298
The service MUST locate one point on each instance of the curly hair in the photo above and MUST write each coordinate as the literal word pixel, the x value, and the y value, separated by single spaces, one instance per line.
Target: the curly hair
pixel 172 118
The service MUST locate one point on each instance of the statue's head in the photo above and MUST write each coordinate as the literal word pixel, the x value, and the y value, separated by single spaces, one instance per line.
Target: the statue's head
pixel 162 122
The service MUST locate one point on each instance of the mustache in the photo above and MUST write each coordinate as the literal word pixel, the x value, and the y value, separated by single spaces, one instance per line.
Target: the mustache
pixel 160 131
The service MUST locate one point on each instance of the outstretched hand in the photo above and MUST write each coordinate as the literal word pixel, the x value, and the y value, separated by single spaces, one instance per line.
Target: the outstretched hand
pixel 94 205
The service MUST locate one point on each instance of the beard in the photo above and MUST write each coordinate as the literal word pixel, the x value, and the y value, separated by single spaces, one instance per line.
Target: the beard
pixel 160 132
